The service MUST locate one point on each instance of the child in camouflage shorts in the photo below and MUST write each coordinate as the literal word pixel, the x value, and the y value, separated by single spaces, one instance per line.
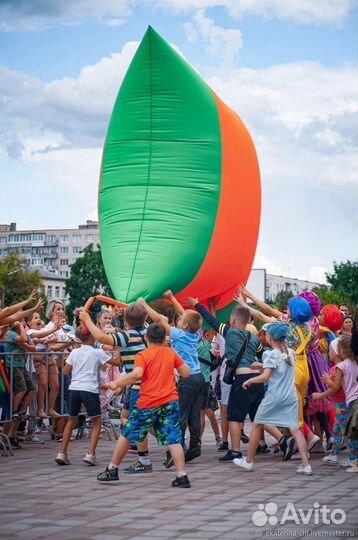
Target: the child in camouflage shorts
pixel 157 407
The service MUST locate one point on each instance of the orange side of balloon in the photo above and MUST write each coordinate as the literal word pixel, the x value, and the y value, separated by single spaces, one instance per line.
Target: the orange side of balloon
pixel 233 245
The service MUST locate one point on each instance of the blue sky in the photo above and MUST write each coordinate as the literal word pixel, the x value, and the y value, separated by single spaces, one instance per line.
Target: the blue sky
pixel 288 69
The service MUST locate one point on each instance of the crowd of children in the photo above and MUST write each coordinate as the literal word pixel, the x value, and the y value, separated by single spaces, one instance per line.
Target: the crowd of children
pixel 295 379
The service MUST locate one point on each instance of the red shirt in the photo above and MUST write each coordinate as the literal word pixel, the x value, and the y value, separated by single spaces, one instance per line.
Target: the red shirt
pixel 340 396
pixel 158 383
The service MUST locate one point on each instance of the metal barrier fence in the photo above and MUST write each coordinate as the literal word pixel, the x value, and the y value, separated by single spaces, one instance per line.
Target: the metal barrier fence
pixel 17 409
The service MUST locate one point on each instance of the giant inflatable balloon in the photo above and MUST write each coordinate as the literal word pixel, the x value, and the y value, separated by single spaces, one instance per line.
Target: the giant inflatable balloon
pixel 179 197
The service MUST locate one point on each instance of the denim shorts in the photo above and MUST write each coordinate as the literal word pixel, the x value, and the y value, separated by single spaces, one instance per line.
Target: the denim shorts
pixel 89 399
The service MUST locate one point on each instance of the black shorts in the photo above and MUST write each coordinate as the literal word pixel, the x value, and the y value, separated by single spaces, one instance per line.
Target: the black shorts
pixel 204 395
pixel 21 381
pixel 244 402
pixel 89 399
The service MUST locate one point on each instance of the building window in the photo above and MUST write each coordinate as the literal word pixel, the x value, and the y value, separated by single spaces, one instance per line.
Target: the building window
pixel 57 291
pixel 90 237
pixel 3 239
pixel 49 291
pixel 64 238
pixel 63 292
pixel 64 250
pixel 64 273
pixel 76 249
pixel 37 262
pixel 63 262
pixel 52 238
pixel 35 237
pixel 76 238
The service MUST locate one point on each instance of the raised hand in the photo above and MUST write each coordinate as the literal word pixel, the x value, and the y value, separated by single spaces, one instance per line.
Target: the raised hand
pixel 84 316
pixel 168 294
pixel 192 301
pixel 32 296
pixel 40 304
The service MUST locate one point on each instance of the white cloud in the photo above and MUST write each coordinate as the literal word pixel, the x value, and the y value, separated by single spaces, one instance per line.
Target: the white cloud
pixel 22 15
pixel 332 12
pixel 34 15
pixel 221 43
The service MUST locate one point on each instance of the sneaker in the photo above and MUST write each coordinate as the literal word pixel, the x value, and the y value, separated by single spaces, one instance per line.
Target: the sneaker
pixel 353 468
pixel 329 444
pixel 181 482
pixel 90 460
pixel 314 440
pixel 263 449
pixel 224 447
pixel 305 470
pixel 218 441
pixel 34 439
pixel 244 438
pixel 108 475
pixel 230 456
pixel 192 453
pixel 330 459
pixel 345 463
pixel 241 462
pixel 138 467
pixel 62 459
pixel 168 460
pixel 290 449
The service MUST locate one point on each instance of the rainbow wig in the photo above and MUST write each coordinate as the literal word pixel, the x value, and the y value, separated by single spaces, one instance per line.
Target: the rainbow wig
pixel 300 309
pixel 313 301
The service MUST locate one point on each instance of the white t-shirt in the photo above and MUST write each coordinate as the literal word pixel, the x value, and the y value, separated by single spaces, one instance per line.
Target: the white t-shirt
pixel 85 363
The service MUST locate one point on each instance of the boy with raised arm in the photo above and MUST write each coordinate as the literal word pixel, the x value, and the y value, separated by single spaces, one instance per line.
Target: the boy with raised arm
pixel 241 402
pixel 131 342
pixel 185 339
pixel 157 407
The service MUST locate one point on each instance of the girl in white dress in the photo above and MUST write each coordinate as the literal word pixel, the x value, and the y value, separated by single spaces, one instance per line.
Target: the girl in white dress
pixel 280 404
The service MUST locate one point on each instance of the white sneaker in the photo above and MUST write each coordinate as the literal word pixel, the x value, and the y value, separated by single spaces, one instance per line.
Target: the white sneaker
pixel 62 459
pixel 305 470
pixel 241 462
pixel 313 441
pixel 90 459
pixel 330 459
pixel 345 463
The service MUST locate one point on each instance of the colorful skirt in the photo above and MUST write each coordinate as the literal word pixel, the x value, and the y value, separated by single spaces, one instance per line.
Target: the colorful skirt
pixel 317 367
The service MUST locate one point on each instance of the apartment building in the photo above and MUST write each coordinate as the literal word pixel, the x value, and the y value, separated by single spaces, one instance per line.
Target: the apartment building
pixel 51 249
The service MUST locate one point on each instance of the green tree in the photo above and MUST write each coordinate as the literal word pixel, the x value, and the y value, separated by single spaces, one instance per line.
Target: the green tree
pixel 328 295
pixel 344 280
pixel 281 300
pixel 16 281
pixel 87 278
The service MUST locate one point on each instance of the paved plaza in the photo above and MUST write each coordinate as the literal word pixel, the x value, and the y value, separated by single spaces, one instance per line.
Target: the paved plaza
pixel 39 499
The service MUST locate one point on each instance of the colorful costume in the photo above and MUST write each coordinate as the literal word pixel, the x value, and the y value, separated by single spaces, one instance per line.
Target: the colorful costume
pixel 317 367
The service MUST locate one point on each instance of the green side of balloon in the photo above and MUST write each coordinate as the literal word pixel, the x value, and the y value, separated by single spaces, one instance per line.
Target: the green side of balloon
pixel 161 175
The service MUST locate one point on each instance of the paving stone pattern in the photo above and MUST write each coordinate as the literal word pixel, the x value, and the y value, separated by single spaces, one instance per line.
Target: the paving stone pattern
pixel 40 500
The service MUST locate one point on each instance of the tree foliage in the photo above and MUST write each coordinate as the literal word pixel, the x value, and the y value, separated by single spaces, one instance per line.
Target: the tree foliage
pixel 344 280
pixel 329 296
pixel 281 300
pixel 16 282
pixel 87 278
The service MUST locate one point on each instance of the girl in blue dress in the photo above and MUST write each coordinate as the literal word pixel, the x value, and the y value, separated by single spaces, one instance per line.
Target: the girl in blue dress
pixel 280 404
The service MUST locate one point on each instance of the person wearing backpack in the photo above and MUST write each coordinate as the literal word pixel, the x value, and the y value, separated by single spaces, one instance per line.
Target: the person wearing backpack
pixel 241 350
